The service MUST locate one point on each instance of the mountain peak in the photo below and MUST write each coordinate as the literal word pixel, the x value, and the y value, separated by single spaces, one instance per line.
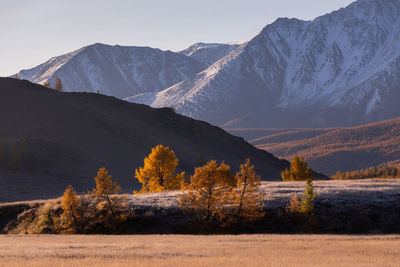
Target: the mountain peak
pixel 209 53
pixel 342 64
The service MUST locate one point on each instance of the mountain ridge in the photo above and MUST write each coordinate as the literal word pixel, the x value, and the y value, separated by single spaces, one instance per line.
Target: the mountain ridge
pixel 120 71
pixel 344 62
pixel 331 149
pixel 340 69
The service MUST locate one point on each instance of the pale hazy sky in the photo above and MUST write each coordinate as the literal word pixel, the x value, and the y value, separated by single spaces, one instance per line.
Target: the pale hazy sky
pixel 32 31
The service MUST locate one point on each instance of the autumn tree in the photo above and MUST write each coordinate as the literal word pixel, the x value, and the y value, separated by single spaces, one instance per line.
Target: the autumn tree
pixel 205 196
pixel 299 171
pixel 158 173
pixel 59 85
pixel 47 84
pixel 16 76
pixel 294 206
pixel 245 196
pixel 71 218
pixel 110 206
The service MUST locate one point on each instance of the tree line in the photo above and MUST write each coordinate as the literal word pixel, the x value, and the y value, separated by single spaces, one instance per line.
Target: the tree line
pixel 374 172
pixel 58 85
pixel 211 197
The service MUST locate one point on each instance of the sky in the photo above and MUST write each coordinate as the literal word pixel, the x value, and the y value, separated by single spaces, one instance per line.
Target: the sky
pixel 32 31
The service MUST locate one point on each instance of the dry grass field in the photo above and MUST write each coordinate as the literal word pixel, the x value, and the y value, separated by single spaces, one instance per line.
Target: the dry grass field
pixel 179 250
pixel 278 194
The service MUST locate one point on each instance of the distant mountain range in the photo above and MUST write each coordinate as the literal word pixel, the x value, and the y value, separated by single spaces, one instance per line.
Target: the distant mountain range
pixel 332 149
pixel 71 135
pixel 341 69
pixel 115 70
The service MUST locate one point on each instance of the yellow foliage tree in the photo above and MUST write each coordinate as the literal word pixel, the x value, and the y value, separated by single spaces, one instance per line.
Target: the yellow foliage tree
pixel 298 171
pixel 70 219
pixel 46 84
pixel 59 85
pixel 158 173
pixel 110 206
pixel 245 197
pixel 206 193
pixel 294 206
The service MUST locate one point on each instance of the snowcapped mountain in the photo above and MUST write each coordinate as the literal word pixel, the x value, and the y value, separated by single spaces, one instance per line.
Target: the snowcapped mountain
pixel 120 71
pixel 208 53
pixel 340 69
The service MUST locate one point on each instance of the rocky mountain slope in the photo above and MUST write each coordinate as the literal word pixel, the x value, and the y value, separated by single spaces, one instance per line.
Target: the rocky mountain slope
pixel 71 135
pixel 119 71
pixel 331 149
pixel 340 69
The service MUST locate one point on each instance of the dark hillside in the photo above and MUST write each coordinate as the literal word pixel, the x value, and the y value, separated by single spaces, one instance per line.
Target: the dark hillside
pixel 71 135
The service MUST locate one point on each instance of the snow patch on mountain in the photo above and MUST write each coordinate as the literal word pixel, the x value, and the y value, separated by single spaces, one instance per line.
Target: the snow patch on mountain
pixel 209 53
